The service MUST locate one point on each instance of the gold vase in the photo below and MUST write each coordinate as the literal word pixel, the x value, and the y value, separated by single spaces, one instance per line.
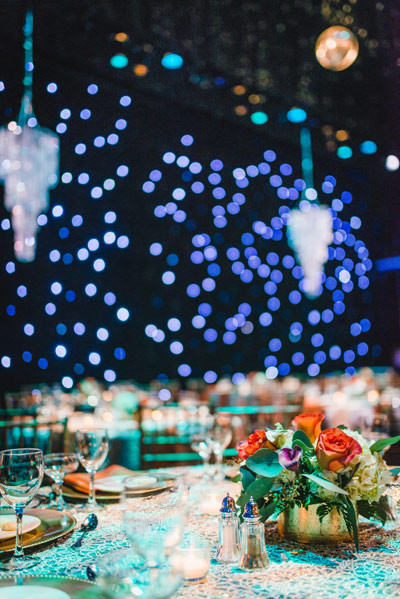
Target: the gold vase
pixel 304 526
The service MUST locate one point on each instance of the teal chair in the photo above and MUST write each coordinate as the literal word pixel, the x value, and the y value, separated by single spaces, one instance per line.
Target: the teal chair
pixel 19 432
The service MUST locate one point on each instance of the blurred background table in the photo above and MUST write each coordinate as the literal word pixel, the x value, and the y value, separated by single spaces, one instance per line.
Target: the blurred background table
pixel 151 426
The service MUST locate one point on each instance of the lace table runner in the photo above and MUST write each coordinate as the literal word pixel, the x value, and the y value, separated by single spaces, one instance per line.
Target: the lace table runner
pixel 296 571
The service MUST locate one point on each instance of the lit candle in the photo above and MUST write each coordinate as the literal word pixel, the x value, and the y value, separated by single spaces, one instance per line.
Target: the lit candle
pixel 173 538
pixel 195 565
pixel 211 504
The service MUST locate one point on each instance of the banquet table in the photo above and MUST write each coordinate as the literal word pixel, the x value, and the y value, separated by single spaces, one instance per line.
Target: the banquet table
pixel 295 572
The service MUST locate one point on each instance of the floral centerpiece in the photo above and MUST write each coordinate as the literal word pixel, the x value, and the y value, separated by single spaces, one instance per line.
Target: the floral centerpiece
pixel 317 481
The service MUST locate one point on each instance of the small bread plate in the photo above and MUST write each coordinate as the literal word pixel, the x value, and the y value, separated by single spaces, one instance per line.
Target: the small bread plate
pixel 47 587
pixel 8 525
pixel 52 525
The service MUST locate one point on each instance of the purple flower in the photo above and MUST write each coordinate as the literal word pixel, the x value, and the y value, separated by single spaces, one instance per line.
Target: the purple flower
pixel 290 458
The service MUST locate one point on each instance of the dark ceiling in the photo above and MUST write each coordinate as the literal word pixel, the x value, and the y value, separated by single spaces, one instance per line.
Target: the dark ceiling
pixel 267 47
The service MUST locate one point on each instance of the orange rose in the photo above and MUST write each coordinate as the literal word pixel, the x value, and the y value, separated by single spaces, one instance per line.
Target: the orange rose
pixel 335 449
pixel 256 441
pixel 310 424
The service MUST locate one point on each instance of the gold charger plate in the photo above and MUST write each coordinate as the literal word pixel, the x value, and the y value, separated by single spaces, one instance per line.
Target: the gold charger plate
pixel 166 482
pixel 53 525
pixel 74 587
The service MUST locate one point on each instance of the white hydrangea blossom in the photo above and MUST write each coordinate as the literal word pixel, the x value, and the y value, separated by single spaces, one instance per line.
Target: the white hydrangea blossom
pixel 372 475
pixel 280 437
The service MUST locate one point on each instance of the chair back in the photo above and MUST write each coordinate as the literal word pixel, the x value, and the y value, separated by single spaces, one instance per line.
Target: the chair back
pixel 165 438
pixel 25 431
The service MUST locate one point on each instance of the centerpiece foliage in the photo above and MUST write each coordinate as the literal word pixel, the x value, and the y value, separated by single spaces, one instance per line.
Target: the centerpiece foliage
pixel 335 468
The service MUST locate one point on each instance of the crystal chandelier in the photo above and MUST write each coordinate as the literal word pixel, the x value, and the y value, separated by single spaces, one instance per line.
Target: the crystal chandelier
pixel 28 164
pixel 310 235
pixel 310 225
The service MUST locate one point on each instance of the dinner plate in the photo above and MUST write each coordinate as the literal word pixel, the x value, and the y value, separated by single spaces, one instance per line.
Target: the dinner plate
pixel 47 587
pixel 28 523
pixel 115 484
pixel 53 525
pixel 164 482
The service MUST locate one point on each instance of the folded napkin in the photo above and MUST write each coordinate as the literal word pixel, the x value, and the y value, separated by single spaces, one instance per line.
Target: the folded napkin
pixel 80 481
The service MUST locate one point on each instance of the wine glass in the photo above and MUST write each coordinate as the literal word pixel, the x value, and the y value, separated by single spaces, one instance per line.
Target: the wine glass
pixel 124 573
pixel 199 444
pixel 92 449
pixel 21 474
pixel 219 436
pixel 154 524
pixel 56 466
pixel 375 427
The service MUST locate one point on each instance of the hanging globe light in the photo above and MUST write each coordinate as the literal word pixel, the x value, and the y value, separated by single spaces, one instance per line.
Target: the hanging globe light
pixel 336 48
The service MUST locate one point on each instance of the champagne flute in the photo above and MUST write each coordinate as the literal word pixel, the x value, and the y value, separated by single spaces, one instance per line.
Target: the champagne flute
pixel 56 466
pixel 21 474
pixel 92 449
pixel 219 437
pixel 200 445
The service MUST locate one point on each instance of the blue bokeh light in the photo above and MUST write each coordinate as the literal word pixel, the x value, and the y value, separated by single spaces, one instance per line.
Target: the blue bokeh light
pixel 172 61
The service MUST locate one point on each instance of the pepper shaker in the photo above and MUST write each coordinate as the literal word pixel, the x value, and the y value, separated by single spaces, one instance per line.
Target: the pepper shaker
pixel 253 553
pixel 228 536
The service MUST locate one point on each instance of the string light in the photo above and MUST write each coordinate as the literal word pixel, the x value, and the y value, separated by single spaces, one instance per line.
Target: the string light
pixel 231 199
pixel 252 261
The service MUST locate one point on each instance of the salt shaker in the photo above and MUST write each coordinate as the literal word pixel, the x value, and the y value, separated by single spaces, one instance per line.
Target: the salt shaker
pixel 228 538
pixel 253 554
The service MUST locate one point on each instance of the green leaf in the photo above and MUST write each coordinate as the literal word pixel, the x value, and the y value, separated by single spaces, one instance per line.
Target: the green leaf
pixel 247 477
pixel 374 510
pixel 394 471
pixel 267 510
pixel 257 489
pixel 352 517
pixel 382 443
pixel 324 509
pixel 264 462
pixel 366 509
pixel 326 484
pixel 307 451
pixel 300 436
pixel 342 427
pixel 237 478
pixel 346 478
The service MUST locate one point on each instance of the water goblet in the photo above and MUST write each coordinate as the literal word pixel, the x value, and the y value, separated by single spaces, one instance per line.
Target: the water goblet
pixel 126 574
pixel 56 466
pixel 92 449
pixel 154 524
pixel 21 474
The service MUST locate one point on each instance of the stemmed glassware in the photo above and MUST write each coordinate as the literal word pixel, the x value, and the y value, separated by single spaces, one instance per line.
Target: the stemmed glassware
pixel 92 449
pixel 218 436
pixel 375 427
pixel 199 443
pixel 56 466
pixel 154 524
pixel 125 573
pixel 21 474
